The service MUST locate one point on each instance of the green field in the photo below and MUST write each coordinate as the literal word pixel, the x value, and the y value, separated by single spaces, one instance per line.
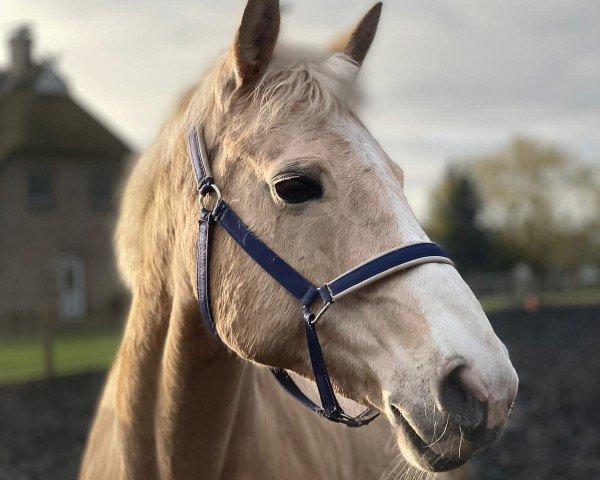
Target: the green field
pixel 22 360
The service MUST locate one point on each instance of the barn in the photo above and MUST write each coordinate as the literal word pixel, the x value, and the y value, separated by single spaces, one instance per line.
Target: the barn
pixel 59 177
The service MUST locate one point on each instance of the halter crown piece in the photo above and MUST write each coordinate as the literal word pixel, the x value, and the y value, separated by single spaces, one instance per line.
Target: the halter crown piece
pixel 214 210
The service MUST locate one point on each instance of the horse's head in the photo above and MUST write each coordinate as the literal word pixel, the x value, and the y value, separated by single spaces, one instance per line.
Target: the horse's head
pixel 309 179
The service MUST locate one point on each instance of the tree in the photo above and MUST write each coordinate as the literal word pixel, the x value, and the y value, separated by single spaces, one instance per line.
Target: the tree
pixel 541 200
pixel 454 221
pixel 528 201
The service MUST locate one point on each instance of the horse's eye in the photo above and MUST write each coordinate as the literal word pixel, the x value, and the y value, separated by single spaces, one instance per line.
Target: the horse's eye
pixel 298 189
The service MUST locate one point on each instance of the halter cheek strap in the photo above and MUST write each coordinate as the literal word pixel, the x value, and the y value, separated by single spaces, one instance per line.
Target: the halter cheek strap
pixel 294 283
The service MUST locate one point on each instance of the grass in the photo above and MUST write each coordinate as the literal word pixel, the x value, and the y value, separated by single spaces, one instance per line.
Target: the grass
pixel 22 360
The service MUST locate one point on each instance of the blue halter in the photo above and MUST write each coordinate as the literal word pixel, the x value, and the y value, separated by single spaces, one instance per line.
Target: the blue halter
pixel 395 260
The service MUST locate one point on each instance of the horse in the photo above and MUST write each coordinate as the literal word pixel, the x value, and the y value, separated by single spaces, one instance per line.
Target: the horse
pixel 301 170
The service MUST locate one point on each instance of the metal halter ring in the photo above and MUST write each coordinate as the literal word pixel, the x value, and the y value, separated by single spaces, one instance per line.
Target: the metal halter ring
pixel 205 198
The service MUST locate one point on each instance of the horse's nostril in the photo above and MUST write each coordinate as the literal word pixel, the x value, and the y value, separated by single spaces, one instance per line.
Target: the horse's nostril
pixel 459 401
pixel 397 415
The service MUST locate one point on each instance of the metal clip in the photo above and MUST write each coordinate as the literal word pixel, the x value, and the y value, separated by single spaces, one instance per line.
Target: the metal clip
pixel 320 313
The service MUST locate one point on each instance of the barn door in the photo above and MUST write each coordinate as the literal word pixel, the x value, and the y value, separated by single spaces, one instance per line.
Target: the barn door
pixel 72 303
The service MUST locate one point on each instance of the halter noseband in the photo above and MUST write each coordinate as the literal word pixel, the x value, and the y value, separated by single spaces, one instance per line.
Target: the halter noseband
pixel 394 260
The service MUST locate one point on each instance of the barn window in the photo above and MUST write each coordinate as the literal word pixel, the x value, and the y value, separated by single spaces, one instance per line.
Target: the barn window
pixel 101 191
pixel 40 191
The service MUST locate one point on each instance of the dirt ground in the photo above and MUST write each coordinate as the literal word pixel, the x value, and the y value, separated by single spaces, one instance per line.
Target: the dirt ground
pixel 554 432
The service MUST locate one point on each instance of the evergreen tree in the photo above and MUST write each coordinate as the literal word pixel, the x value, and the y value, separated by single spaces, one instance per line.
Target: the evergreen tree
pixel 455 224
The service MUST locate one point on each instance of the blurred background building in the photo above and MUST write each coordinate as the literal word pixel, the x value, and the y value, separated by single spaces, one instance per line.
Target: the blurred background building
pixel 59 168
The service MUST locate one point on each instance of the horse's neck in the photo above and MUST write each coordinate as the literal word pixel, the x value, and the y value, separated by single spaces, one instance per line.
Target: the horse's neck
pixel 196 393
pixel 178 405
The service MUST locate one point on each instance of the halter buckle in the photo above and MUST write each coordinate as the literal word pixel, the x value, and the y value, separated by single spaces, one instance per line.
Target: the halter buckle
pixel 320 313
pixel 206 201
pixel 363 418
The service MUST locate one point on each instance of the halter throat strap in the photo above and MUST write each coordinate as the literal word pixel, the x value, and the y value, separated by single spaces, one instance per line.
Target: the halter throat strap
pixel 387 263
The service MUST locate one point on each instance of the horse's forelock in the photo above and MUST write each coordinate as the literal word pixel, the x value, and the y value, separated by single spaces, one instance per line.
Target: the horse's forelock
pixel 306 89
pixel 311 90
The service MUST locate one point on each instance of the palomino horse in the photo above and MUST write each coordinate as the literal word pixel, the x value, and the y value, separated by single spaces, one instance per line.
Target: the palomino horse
pixel 307 177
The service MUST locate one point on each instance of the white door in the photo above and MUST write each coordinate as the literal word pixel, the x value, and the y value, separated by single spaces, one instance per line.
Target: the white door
pixel 70 281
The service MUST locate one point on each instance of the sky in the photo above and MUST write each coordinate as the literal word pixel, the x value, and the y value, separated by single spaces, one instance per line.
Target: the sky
pixel 444 79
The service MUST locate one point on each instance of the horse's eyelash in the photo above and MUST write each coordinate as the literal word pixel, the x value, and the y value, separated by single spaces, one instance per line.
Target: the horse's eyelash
pixel 287 176
pixel 295 174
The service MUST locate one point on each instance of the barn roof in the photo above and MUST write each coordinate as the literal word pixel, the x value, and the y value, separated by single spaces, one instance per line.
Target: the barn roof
pixel 52 125
pixel 39 117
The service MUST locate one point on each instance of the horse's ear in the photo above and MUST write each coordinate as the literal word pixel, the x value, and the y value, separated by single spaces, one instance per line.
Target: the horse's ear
pixel 357 44
pixel 255 40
